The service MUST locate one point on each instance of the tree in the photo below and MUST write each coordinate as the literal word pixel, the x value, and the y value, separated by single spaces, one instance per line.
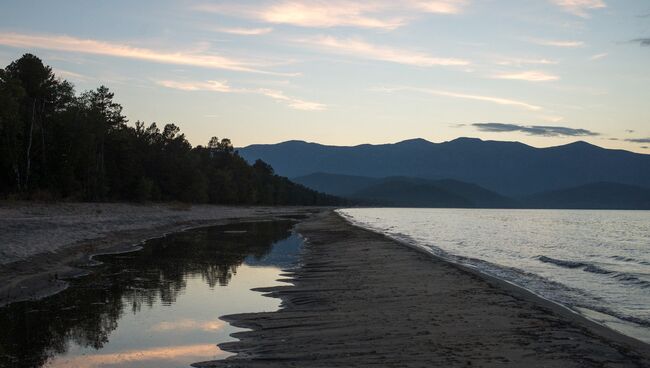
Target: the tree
pixel 11 135
pixel 81 147
pixel 103 116
pixel 43 95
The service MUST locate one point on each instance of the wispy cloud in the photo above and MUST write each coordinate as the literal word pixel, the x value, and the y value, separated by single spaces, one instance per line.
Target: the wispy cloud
pixel 88 46
pixel 362 49
pixel 580 8
pixel 599 56
pixel 214 86
pixel 292 102
pixel 70 75
pixel 558 43
pixel 245 31
pixel 380 14
pixel 638 140
pixel 466 96
pixel 642 41
pixel 524 61
pixel 529 76
pixel 541 130
pixel 223 87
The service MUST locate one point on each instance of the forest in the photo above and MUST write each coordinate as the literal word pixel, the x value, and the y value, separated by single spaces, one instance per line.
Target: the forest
pixel 56 144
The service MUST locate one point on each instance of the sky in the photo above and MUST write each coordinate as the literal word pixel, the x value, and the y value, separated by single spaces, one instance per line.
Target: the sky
pixel 343 72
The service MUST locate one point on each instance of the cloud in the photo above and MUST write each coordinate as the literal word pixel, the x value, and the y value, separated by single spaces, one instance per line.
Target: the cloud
pixel 547 131
pixel 215 86
pixel 245 31
pixel 89 46
pixel 599 56
pixel 520 62
pixel 638 140
pixel 558 43
pixel 491 99
pixel 292 102
pixel 361 49
pixel 580 8
pixel 223 87
pixel 642 41
pixel 379 14
pixel 530 76
pixel 70 75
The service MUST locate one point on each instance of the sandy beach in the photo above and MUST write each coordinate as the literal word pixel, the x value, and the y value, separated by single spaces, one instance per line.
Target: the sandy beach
pixel 43 243
pixel 360 300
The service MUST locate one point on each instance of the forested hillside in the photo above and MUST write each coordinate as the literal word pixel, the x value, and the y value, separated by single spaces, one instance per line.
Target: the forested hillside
pixel 56 144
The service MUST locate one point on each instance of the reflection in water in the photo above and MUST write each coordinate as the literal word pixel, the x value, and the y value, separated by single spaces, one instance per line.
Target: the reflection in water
pixel 178 355
pixel 156 307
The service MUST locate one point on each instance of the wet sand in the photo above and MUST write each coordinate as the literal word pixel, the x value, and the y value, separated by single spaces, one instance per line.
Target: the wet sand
pixel 362 300
pixel 42 244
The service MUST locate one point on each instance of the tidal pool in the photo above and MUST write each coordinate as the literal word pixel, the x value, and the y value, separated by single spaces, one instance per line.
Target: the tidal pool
pixel 156 307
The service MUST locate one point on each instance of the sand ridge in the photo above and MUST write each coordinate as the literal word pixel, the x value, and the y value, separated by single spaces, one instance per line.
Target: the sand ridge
pixel 41 244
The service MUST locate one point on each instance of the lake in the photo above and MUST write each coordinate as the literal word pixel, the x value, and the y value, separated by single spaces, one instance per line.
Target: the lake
pixel 157 307
pixel 596 263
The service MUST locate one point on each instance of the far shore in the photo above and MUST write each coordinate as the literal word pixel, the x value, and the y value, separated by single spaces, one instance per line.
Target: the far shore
pixel 42 244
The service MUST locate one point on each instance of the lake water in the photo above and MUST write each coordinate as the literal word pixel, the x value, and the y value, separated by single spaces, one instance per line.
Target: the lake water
pixel 595 262
pixel 157 307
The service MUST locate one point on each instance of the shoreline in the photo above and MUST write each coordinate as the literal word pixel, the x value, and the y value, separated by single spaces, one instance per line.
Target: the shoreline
pixel 514 288
pixel 123 228
pixel 320 320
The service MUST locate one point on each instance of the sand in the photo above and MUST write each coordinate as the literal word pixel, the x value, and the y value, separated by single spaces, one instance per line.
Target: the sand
pixel 362 300
pixel 41 244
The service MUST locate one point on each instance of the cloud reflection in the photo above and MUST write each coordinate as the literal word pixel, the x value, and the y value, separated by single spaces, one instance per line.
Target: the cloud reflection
pixel 187 324
pixel 183 354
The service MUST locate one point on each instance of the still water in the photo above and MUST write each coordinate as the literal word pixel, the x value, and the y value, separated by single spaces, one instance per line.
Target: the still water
pixel 595 262
pixel 156 307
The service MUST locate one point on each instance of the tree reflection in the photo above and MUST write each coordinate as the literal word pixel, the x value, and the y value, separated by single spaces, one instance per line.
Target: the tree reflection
pixel 87 312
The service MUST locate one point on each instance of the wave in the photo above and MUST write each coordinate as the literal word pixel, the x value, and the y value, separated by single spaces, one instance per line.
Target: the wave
pixel 586 266
pixel 624 277
pixel 630 260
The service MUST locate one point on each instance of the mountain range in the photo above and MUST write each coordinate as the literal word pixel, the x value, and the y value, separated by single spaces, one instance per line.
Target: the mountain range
pixel 511 169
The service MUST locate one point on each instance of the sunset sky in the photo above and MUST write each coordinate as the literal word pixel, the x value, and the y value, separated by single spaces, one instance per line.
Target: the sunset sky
pixel 543 72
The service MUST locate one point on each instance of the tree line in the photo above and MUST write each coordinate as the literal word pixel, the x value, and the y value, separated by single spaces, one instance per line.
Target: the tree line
pixel 56 144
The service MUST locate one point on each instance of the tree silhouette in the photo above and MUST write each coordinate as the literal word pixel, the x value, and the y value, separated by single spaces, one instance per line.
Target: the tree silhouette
pixel 57 145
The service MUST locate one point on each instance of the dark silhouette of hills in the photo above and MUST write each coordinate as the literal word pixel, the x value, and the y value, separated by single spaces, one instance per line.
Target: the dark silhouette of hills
pixel 405 192
pixel 510 168
pixel 602 195
pixel 336 184
pixel 394 192
pixel 417 192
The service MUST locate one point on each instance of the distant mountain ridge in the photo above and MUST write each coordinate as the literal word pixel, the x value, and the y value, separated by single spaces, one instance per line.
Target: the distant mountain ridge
pixel 416 192
pixel 509 168
pixel 405 192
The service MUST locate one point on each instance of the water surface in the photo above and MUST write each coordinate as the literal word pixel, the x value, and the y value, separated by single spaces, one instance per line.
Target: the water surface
pixel 594 262
pixel 157 307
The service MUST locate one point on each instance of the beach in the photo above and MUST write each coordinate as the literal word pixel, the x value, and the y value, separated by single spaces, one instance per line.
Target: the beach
pixel 42 244
pixel 356 298
pixel 360 299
